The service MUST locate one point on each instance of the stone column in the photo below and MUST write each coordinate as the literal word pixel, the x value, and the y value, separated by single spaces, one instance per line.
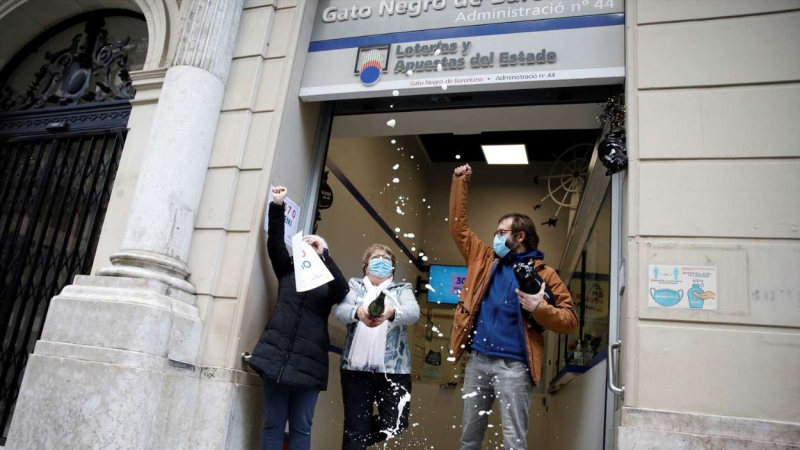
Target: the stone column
pixel 159 230
pixel 116 365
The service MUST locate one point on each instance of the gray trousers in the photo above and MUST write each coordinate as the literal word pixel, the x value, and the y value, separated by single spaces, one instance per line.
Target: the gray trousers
pixel 508 380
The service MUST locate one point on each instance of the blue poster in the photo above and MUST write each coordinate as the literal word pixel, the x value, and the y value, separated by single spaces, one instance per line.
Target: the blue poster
pixel 446 283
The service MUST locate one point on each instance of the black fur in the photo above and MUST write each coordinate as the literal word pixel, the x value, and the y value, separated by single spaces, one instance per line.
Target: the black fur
pixel 531 283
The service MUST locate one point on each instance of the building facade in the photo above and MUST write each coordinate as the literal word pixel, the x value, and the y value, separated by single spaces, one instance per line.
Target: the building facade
pixel 143 337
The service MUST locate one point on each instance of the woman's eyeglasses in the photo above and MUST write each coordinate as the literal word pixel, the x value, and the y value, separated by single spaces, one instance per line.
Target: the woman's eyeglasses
pixel 386 257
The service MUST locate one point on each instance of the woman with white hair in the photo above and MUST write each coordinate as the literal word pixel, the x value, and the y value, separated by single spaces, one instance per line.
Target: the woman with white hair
pixel 376 361
pixel 292 354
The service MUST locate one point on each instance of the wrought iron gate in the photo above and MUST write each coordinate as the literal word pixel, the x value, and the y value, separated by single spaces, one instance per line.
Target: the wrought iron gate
pixel 60 147
pixel 53 198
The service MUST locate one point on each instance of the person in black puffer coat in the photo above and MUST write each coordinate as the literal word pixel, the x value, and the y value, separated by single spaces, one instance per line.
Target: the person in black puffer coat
pixel 292 354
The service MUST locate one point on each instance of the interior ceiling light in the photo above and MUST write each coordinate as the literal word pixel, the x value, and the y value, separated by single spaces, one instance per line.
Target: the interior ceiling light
pixel 505 154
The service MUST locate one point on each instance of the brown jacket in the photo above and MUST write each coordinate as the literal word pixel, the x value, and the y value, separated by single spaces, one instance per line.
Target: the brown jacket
pixel 480 259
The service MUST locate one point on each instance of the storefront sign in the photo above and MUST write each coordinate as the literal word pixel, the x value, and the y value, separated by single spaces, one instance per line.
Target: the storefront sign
pixel 337 19
pixel 390 47
pixel 682 287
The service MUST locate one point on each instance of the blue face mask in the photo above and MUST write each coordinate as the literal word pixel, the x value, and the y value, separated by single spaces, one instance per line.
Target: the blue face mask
pixel 380 267
pixel 499 246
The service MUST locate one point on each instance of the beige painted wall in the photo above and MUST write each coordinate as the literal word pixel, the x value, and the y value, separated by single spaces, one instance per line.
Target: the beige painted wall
pixel 713 93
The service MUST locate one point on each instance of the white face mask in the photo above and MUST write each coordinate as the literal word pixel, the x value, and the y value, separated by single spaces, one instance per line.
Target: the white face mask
pixel 500 245
pixel 380 267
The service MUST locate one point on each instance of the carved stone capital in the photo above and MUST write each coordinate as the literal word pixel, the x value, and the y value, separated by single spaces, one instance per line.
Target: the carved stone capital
pixel 208 35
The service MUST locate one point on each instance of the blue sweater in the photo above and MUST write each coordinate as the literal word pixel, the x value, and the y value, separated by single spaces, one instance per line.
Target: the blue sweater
pixel 498 331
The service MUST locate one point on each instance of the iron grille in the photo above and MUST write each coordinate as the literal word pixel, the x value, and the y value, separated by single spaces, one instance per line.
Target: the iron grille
pixel 54 191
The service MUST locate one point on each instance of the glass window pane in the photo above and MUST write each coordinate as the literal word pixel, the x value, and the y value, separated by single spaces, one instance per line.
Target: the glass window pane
pixel 590 293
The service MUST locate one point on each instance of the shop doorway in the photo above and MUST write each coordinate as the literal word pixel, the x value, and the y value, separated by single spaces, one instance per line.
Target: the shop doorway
pixel 383 176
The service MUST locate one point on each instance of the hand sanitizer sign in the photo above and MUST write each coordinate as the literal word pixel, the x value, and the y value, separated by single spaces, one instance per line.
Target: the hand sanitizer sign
pixel 682 287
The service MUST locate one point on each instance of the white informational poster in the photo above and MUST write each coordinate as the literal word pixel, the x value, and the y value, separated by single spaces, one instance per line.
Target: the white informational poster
pixel 682 287
pixel 309 270
pixel 291 217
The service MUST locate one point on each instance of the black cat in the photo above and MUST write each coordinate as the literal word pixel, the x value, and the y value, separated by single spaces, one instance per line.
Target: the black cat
pixel 531 283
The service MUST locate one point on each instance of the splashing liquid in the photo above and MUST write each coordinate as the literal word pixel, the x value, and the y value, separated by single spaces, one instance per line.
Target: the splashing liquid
pixel 391 433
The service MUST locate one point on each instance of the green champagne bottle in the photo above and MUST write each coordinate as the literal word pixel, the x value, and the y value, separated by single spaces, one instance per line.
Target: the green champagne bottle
pixel 376 307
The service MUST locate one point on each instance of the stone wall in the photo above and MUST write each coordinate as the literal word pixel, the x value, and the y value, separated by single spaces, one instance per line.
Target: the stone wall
pixel 714 145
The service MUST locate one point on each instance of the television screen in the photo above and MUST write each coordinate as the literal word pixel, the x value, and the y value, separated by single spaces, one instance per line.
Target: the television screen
pixel 447 282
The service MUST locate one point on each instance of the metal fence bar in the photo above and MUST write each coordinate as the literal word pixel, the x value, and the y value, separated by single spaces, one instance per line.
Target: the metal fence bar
pixel 25 283
pixel 53 198
pixel 102 200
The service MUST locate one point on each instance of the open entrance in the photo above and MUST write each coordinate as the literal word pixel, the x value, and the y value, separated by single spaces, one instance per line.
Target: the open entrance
pixel 386 179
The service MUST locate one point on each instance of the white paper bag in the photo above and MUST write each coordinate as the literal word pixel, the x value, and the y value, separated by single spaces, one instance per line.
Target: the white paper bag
pixel 309 271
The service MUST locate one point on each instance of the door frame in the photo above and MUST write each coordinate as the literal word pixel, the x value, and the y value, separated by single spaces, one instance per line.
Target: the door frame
pixel 588 209
pixel 616 280
pixel 480 99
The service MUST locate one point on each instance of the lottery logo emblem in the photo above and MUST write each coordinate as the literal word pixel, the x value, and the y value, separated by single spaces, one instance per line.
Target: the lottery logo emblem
pixel 371 67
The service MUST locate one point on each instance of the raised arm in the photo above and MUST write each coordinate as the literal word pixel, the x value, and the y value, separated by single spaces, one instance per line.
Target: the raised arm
pixel 278 254
pixel 468 243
